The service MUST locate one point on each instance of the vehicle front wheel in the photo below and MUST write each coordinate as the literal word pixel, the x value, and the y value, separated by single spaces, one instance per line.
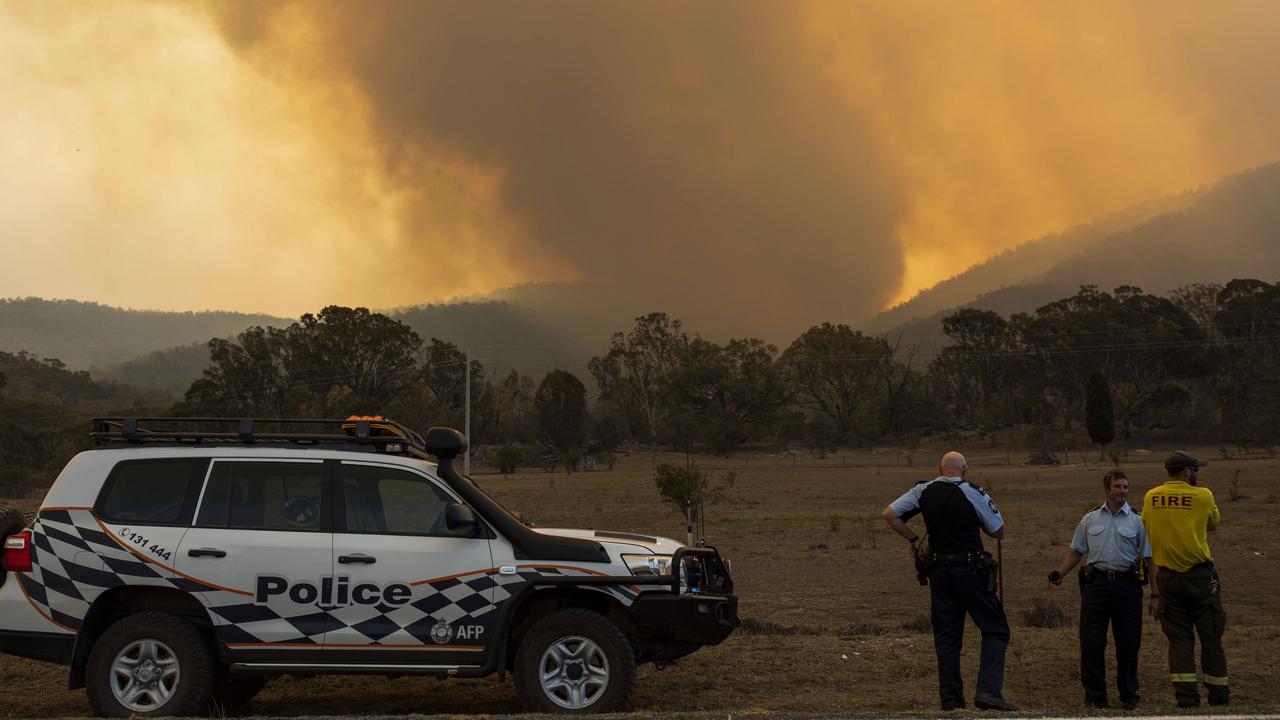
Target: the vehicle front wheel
pixel 575 661
pixel 149 664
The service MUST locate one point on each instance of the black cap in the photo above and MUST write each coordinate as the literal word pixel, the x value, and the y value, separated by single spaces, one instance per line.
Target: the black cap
pixel 1180 460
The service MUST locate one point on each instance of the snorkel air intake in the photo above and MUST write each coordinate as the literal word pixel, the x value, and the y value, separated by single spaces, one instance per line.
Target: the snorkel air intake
pixel 445 444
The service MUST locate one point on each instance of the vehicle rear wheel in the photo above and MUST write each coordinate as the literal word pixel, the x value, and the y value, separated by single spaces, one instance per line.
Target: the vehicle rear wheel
pixel 149 664
pixel 575 661
pixel 232 692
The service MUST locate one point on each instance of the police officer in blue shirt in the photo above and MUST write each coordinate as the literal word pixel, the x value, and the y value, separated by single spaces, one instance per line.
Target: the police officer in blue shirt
pixel 961 577
pixel 1114 540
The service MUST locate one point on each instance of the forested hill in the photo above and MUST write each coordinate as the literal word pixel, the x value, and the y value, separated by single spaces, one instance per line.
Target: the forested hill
pixel 168 350
pixel 84 334
pixel 44 417
pixel 503 336
pixel 171 370
pixel 1020 264
pixel 1048 260
pixel 1230 230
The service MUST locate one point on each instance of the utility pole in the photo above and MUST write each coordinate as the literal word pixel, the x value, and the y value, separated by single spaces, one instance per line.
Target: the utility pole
pixel 466 459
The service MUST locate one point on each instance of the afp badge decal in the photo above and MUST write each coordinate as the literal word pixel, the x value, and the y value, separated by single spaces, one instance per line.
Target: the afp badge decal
pixel 441 633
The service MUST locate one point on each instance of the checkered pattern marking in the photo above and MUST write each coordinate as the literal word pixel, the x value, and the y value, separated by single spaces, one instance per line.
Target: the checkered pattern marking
pixel 469 599
pixel 74 561
pixel 509 585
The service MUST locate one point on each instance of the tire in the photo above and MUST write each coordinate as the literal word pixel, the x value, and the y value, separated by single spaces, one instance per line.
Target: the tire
pixel 150 664
pixel 231 692
pixel 575 662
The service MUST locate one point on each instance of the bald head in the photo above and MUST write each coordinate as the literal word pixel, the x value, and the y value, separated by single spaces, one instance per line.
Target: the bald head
pixel 952 465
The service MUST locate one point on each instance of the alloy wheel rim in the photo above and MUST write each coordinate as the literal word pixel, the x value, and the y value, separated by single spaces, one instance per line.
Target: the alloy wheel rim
pixel 573 672
pixel 144 675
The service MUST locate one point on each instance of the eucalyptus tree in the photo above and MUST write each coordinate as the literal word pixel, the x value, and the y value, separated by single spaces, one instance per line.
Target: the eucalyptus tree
pixel 632 373
pixel 834 371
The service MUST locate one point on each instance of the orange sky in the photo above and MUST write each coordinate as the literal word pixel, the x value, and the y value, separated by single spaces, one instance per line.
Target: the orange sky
pixel 787 163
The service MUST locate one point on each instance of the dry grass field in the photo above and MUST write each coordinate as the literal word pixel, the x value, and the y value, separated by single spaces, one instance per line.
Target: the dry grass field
pixel 836 621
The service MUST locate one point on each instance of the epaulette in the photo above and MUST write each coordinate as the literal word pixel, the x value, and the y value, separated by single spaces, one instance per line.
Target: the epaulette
pixel 1095 507
pixel 924 482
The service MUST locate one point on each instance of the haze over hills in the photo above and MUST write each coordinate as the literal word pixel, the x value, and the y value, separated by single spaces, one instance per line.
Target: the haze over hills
pixel 168 350
pixel 1224 231
pixel 1230 230
pixel 1016 265
pixel 505 336
pixel 87 334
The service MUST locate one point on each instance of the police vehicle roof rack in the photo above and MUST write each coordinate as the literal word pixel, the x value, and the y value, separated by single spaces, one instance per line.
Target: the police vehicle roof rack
pixel 367 432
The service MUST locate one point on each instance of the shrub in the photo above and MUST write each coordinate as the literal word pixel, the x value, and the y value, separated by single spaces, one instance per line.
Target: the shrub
pixel 508 457
pixel 570 459
pixel 686 488
pixel 607 459
pixel 1040 450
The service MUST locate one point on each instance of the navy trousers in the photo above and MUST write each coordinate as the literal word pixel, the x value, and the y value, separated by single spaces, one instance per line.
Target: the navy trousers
pixel 1117 603
pixel 954 592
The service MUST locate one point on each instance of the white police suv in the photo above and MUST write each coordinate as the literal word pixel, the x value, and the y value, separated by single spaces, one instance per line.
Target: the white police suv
pixel 185 560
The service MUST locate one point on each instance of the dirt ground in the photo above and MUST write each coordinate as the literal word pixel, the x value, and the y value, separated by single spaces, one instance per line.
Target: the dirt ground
pixel 836 621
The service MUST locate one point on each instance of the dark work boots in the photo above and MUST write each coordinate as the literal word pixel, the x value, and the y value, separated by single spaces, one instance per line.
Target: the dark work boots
pixel 983 701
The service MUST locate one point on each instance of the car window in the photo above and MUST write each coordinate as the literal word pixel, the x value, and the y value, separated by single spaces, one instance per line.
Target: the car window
pixel 264 496
pixel 387 500
pixel 153 492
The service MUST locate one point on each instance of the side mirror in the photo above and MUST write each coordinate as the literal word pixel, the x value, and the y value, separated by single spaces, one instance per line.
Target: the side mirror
pixel 458 516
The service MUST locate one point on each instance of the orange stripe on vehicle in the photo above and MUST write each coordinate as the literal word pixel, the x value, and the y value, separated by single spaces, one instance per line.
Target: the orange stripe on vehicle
pixel 486 571
pixel 491 571
pixel 144 558
pixel 51 509
pixel 579 569
pixel 565 567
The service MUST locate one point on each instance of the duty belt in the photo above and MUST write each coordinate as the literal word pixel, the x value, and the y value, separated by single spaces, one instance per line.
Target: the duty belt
pixel 969 558
pixel 1092 573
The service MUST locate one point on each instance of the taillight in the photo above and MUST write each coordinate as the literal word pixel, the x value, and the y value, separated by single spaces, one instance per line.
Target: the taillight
pixel 17 552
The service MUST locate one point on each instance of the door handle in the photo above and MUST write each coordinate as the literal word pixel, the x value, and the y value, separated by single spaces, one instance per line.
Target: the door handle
pixel 207 552
pixel 357 558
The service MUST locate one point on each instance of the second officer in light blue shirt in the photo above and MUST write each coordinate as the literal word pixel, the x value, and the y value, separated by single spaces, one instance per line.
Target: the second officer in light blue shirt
pixel 1114 540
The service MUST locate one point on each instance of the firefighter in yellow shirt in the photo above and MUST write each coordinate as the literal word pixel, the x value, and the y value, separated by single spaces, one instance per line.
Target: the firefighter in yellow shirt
pixel 1186 596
